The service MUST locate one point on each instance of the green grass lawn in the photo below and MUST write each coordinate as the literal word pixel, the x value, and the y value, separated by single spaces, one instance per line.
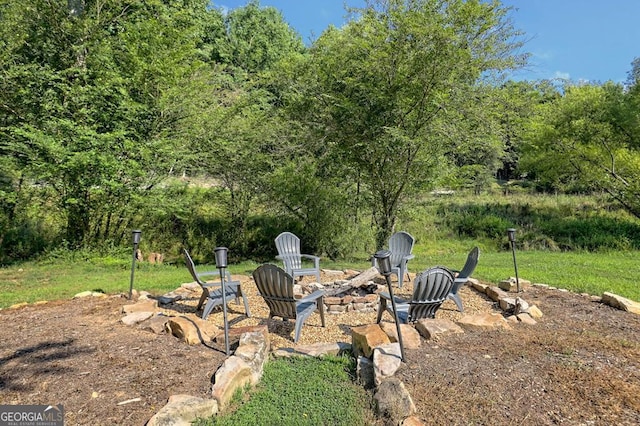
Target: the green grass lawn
pixel 593 273
pixel 301 391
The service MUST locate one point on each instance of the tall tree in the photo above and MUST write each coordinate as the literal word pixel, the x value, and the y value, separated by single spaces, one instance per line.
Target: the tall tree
pixel 82 101
pixel 375 89
pixel 256 38
pixel 229 122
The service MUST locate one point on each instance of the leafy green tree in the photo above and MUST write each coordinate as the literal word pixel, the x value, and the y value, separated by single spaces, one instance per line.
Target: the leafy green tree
pixel 589 137
pixel 256 38
pixel 633 77
pixel 374 91
pixel 228 125
pixel 82 102
pixel 480 142
pixel 485 143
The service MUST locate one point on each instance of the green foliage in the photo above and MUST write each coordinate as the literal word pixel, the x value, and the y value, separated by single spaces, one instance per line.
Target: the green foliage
pixel 588 138
pixel 25 232
pixel 232 131
pixel 319 204
pixel 569 223
pixel 257 38
pixel 476 223
pixel 103 104
pixel 593 233
pixel 374 89
pixel 182 216
pixel 23 240
pixel 81 104
pixel 553 233
pixel 303 391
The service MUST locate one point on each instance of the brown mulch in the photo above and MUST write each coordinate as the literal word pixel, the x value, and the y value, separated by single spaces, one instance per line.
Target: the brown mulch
pixel 579 365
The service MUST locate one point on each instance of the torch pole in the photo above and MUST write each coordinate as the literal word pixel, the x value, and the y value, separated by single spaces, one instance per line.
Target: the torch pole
pixel 224 311
pixel 221 262
pixel 136 241
pixel 511 233
pixel 384 264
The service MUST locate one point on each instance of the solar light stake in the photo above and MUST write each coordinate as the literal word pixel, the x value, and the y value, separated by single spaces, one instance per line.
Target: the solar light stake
pixel 511 233
pixel 221 263
pixel 384 263
pixel 136 240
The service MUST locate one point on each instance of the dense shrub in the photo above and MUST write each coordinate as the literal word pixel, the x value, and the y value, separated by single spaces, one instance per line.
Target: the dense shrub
pixel 544 223
pixel 179 215
pixel 593 233
pixel 24 241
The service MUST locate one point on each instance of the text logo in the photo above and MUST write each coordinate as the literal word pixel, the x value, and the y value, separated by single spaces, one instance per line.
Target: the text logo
pixel 31 415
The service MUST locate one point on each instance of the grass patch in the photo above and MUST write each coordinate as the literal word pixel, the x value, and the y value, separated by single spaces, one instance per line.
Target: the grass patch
pixel 581 272
pixel 63 278
pixel 324 394
pixel 593 273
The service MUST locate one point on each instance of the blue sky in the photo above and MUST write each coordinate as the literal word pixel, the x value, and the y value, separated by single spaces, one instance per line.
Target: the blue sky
pixel 579 40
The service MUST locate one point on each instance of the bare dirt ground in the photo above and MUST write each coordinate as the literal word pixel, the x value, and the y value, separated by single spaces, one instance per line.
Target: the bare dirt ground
pixel 580 365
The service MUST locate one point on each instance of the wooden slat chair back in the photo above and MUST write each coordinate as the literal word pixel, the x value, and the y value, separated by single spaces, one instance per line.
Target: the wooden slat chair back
pixel 430 290
pixel 276 288
pixel 288 246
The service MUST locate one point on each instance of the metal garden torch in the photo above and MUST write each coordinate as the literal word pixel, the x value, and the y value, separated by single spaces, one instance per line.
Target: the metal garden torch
pixel 221 264
pixel 511 233
pixel 384 263
pixel 136 240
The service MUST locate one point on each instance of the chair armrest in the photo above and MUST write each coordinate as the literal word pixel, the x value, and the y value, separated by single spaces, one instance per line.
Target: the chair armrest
pixel 227 283
pixel 227 274
pixel 398 300
pixel 318 294
pixel 210 283
pixel 408 257
pixel 287 256
pixel 315 259
pixel 235 284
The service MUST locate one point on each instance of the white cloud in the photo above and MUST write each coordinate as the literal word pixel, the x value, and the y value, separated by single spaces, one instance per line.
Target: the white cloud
pixel 562 75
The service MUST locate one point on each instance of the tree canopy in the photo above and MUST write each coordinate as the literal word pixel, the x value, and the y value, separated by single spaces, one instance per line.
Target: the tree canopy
pixel 105 105
pixel 377 91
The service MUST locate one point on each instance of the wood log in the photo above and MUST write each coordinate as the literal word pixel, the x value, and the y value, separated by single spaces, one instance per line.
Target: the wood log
pixel 363 278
